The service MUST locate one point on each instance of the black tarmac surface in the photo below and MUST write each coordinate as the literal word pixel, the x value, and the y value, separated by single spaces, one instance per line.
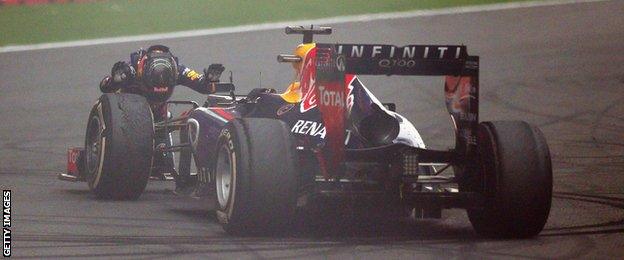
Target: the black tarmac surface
pixel 557 67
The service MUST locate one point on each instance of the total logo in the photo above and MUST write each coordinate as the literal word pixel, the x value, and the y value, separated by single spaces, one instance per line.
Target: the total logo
pixel 309 100
pixel 331 98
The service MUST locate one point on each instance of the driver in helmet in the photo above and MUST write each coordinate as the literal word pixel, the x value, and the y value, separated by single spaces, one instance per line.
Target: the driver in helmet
pixel 153 73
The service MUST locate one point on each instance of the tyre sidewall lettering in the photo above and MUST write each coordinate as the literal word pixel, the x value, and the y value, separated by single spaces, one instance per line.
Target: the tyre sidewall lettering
pixel 98 172
pixel 224 214
pixel 98 113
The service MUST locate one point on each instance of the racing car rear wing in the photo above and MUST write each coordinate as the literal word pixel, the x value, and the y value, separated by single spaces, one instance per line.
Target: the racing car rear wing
pixel 461 70
pixel 380 59
pixel 333 61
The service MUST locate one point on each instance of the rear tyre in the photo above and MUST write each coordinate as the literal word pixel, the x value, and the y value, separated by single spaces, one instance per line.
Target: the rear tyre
pixel 255 176
pixel 119 146
pixel 516 179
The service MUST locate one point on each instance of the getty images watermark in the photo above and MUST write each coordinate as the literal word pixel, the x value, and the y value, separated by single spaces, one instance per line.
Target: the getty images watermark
pixel 6 223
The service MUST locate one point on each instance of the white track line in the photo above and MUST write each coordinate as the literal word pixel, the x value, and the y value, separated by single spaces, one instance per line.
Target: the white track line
pixel 280 25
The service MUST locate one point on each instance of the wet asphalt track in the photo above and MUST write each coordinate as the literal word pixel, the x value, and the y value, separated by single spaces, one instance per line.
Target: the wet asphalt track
pixel 557 67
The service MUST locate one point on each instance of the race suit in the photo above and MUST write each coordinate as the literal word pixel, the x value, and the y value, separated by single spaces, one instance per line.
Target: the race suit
pixel 187 77
pixel 163 163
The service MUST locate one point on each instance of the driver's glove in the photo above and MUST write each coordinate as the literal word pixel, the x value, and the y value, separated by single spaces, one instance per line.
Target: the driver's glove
pixel 213 72
pixel 122 72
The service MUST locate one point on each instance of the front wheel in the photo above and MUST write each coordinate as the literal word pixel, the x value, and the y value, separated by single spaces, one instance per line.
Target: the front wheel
pixel 118 146
pixel 255 176
pixel 515 175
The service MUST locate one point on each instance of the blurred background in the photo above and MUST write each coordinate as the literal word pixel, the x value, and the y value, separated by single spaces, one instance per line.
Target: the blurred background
pixel 37 21
pixel 557 66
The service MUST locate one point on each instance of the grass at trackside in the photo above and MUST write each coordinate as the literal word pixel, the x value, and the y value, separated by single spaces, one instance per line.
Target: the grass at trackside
pixel 65 22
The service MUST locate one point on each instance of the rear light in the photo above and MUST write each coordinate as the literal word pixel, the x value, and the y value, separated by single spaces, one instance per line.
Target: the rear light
pixel 410 163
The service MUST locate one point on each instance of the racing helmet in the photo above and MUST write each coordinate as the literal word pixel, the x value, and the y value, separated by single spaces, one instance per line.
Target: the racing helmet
pixel 158 70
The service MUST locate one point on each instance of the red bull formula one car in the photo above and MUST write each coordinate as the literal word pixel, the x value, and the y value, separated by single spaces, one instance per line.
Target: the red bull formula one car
pixel 264 156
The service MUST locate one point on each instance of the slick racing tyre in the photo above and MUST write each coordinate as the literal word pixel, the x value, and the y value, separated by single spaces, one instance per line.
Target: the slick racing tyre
pixel 119 146
pixel 515 177
pixel 255 176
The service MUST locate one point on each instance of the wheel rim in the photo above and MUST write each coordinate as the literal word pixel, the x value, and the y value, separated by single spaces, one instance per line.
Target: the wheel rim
pixel 94 145
pixel 223 177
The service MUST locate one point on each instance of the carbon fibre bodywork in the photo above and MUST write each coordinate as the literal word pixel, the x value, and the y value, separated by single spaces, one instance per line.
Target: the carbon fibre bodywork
pixel 307 125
